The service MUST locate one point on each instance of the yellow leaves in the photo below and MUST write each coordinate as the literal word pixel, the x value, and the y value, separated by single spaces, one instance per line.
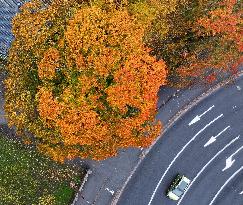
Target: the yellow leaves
pixel 86 83
pixel 95 83
pixel 56 153
pixel 80 61
pixel 10 197
pixel 49 63
pixel 48 199
pixel 104 63
pixel 66 95
pixel 61 43
pixel 137 82
pixel 27 25
pixel 48 108
pixel 82 29
pixel 82 127
pixel 104 95
pixel 221 21
pixel 147 11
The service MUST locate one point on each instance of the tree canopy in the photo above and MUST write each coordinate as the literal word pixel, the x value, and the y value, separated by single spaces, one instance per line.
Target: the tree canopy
pixel 199 39
pixel 83 76
pixel 81 82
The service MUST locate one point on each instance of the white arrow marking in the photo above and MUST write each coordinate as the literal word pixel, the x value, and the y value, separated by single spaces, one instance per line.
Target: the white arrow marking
pixel 111 191
pixel 198 117
pixel 229 161
pixel 225 185
pixel 199 173
pixel 178 154
pixel 213 139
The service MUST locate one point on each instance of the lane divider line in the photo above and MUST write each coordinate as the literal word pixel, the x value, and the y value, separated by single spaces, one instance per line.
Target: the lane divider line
pixel 232 176
pixel 205 166
pixel 186 108
pixel 230 161
pixel 179 153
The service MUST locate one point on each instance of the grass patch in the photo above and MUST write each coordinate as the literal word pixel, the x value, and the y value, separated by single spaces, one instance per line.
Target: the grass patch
pixel 28 178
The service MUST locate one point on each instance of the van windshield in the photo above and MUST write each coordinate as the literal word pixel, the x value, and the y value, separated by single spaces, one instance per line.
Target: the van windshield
pixel 182 186
pixel 177 192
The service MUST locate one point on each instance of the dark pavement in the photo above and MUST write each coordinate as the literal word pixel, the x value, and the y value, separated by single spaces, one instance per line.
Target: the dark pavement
pixel 108 176
pixel 8 9
pixel 181 150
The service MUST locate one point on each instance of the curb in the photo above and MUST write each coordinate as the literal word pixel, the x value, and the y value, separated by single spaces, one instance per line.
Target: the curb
pixel 179 114
pixel 82 186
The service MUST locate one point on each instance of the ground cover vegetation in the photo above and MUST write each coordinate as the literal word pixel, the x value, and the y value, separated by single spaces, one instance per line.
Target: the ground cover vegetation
pixel 83 76
pixel 26 177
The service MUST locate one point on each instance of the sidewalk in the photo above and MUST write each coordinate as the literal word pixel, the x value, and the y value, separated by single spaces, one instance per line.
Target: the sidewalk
pixel 108 176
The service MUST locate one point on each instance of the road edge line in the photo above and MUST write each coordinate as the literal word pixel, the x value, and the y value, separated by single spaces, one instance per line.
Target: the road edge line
pixel 85 179
pixel 170 122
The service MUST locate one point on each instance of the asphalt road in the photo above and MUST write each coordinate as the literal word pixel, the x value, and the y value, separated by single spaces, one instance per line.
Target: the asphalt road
pixel 8 9
pixel 182 150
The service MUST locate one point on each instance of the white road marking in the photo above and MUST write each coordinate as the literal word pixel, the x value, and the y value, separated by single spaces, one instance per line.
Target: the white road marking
pixel 178 154
pixel 111 191
pixel 198 174
pixel 214 198
pixel 213 139
pixel 238 87
pixel 229 161
pixel 241 193
pixel 198 117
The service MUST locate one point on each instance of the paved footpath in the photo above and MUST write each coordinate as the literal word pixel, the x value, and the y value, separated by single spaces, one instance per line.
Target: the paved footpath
pixel 108 176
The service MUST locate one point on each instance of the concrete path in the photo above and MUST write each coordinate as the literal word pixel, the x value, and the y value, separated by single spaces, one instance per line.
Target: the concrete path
pixel 107 176
pixel 184 148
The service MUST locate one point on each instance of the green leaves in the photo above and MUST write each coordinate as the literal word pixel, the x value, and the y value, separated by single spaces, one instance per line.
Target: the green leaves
pixel 26 177
pixel 59 83
pixel 131 112
pixel 89 72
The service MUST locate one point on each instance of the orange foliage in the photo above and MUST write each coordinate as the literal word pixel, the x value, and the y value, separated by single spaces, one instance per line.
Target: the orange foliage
pixel 96 85
pixel 198 38
pixel 226 22
pixel 49 63
pixel 223 24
